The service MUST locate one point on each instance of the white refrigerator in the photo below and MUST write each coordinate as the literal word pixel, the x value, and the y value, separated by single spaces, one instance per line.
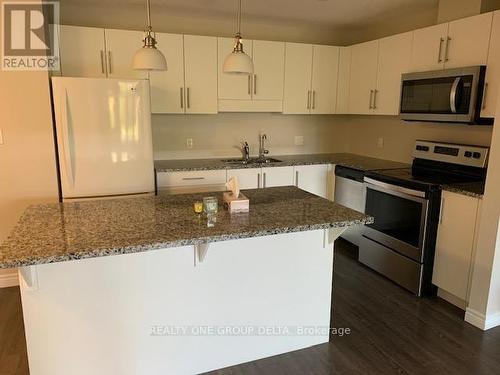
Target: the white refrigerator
pixel 104 141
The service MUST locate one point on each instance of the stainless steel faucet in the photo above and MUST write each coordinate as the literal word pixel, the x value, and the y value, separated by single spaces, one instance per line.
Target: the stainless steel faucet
pixel 245 150
pixel 262 149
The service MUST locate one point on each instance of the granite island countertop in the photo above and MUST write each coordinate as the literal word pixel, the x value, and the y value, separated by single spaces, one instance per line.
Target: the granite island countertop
pixel 363 163
pixel 69 231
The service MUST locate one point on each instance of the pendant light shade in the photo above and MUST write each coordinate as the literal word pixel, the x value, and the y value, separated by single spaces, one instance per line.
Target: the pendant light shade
pixel 149 57
pixel 238 62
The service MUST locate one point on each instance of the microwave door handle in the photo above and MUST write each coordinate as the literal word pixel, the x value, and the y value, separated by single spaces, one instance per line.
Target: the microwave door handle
pixel 453 95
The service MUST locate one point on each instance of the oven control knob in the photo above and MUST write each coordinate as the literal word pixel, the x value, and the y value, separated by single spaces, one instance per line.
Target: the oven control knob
pixel 476 155
pixel 468 154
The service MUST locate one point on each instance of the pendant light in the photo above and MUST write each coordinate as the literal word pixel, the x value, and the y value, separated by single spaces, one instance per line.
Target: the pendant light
pixel 149 57
pixel 238 62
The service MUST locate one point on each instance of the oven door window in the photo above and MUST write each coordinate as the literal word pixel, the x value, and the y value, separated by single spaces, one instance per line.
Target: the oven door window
pixel 395 216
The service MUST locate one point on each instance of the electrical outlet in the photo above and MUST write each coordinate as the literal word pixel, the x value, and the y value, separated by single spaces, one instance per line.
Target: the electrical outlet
pixel 380 142
pixel 299 140
pixel 1 137
pixel 189 143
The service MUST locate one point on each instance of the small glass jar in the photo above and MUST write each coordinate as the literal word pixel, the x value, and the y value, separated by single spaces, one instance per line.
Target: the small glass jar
pixel 210 205
pixel 198 207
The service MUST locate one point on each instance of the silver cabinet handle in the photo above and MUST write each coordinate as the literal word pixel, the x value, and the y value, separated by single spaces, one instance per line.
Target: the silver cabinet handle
pixel 453 94
pixel 441 41
pixel 485 92
pixel 264 180
pixel 193 178
pixel 188 100
pixel 102 62
pixel 255 83
pixel 182 97
pixel 309 99
pixel 297 178
pixel 110 66
pixel 447 49
pixel 314 99
pixel 249 84
pixel 375 99
pixel 258 180
pixel 371 99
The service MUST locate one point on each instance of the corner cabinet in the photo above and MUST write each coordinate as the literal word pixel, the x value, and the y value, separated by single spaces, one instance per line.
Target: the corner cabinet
pixel 493 70
pixel 190 83
pixel 312 178
pixel 260 92
pixel 455 245
pixel 311 77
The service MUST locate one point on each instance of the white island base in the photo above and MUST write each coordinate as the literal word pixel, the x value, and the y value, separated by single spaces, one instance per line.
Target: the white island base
pixel 167 312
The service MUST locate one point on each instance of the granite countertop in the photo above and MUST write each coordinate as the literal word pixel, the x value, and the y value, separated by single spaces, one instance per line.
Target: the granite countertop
pixel 363 163
pixel 472 189
pixel 69 231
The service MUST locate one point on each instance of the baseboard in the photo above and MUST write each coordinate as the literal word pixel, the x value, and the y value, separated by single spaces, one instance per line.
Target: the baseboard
pixel 479 320
pixel 9 279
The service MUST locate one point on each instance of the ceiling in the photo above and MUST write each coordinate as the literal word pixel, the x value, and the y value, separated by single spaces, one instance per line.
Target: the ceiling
pixel 329 13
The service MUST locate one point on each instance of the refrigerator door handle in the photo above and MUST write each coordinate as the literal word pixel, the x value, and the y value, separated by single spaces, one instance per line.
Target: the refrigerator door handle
pixel 66 138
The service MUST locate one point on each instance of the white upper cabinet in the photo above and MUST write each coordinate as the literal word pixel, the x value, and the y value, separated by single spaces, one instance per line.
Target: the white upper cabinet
pixel 394 58
pixel 121 46
pixel 492 71
pixel 311 76
pixel 83 52
pixel 429 46
pixel 460 43
pixel 363 77
pixel 298 74
pixel 324 79
pixel 200 71
pixel 468 41
pixel 167 87
pixel 269 65
pixel 233 86
pixel 344 80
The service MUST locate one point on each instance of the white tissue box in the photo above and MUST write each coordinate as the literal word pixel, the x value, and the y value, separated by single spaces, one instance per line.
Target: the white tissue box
pixel 233 204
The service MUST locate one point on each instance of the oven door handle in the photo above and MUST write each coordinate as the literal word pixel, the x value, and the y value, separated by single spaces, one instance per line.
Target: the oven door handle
pixel 453 94
pixel 395 188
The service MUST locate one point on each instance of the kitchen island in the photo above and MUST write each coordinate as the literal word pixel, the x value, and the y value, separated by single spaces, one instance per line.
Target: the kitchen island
pixel 143 285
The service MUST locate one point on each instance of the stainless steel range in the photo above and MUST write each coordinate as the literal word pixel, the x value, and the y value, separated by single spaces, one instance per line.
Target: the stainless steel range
pixel 406 206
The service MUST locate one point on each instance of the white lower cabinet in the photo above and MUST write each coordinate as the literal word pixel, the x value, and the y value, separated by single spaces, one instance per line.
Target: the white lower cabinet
pixel 455 245
pixel 277 176
pixel 312 178
pixel 191 181
pixel 249 178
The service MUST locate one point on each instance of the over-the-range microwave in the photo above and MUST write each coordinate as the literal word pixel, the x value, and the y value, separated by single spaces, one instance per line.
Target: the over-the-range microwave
pixel 451 95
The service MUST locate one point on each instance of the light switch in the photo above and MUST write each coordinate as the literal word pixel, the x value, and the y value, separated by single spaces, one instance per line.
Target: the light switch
pixel 1 137
pixel 380 142
pixel 189 143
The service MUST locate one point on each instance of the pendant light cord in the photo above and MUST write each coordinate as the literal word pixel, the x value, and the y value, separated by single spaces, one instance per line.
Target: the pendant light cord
pixel 239 17
pixel 148 14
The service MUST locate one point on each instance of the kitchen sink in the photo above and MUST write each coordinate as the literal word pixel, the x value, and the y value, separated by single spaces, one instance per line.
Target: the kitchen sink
pixel 251 161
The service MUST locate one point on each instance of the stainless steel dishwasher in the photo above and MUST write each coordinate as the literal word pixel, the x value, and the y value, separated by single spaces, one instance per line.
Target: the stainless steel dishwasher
pixel 350 192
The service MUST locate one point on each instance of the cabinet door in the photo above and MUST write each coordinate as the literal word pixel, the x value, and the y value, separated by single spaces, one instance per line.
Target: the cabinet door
pixel 493 70
pixel 277 176
pixel 455 242
pixel 249 178
pixel 121 46
pixel 324 79
pixel 428 48
pixel 269 66
pixel 298 71
pixel 82 51
pixel 468 41
pixel 344 80
pixel 363 77
pixel 167 87
pixel 394 57
pixel 232 86
pixel 312 178
pixel 200 69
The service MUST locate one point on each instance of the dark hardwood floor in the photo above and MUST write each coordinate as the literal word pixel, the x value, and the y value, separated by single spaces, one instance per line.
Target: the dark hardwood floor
pixel 392 332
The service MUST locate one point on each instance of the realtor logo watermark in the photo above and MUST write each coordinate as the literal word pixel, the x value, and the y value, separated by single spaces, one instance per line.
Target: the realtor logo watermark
pixel 29 32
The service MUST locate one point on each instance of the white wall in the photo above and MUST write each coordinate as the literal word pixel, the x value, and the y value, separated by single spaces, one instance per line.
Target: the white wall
pixel 27 157
pixel 484 305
